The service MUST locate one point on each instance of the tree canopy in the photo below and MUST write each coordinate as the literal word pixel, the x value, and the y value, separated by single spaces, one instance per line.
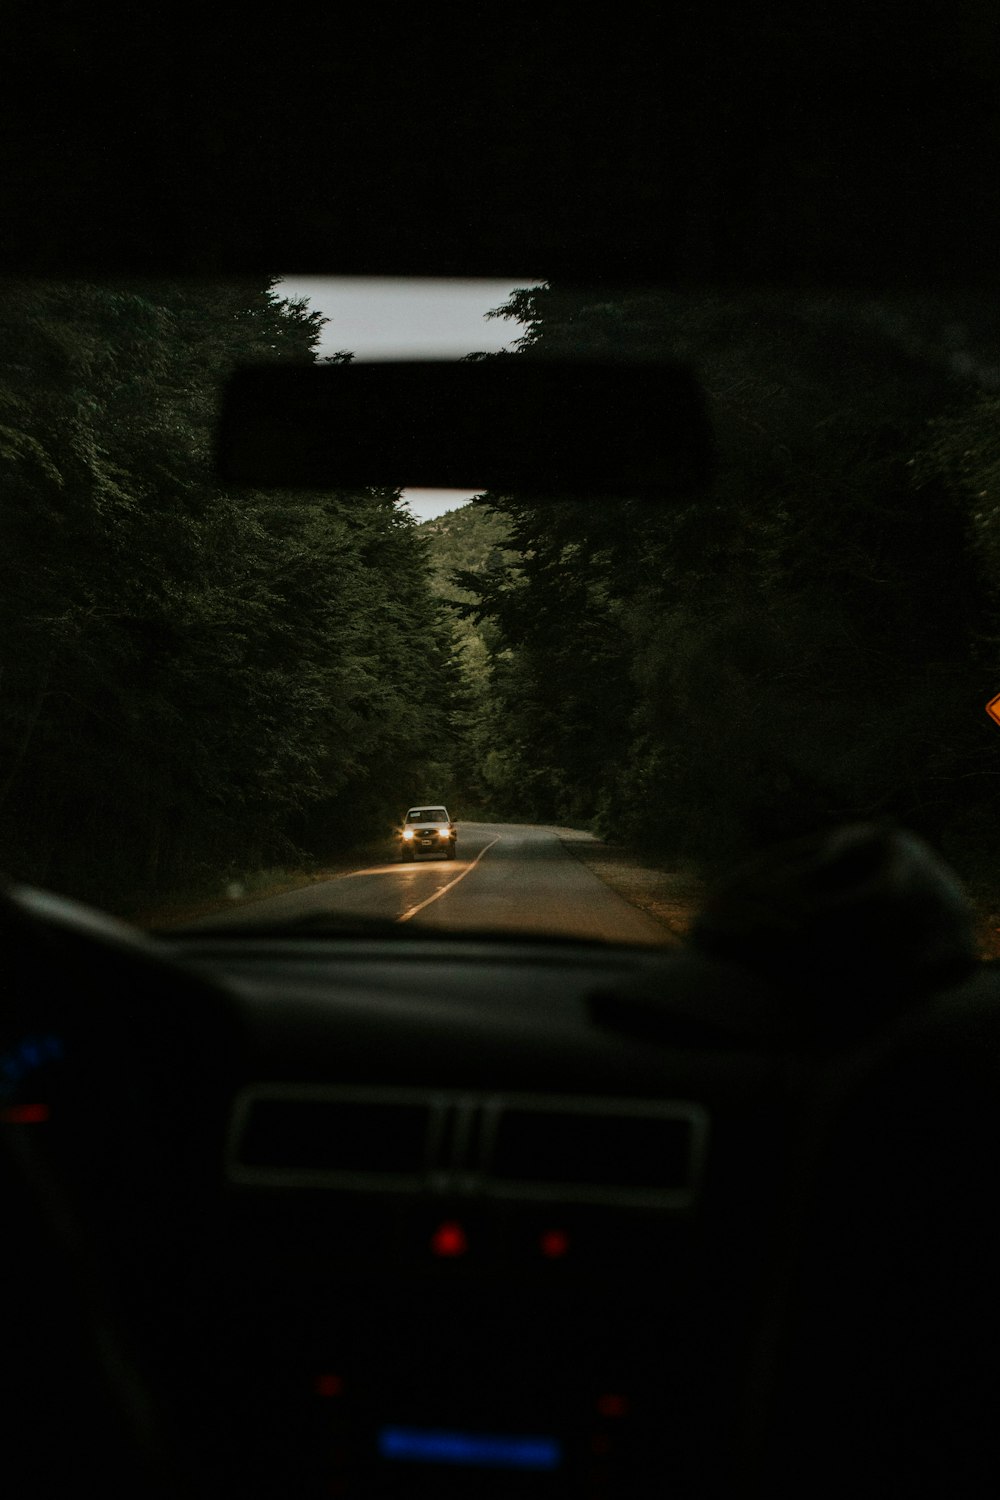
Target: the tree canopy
pixel 192 677
pixel 811 641
pixel 197 678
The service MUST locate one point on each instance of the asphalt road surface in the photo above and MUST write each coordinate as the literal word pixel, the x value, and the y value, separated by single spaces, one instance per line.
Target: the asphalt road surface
pixel 508 877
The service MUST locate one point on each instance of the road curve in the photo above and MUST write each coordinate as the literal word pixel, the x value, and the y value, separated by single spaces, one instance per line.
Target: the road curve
pixel 507 877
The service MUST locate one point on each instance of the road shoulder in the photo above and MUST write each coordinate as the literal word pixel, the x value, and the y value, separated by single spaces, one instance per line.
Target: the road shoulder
pixel 180 910
pixel 674 897
pixel 671 896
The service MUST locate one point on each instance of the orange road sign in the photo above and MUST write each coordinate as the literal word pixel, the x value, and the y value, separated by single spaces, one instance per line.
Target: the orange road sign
pixel 993 709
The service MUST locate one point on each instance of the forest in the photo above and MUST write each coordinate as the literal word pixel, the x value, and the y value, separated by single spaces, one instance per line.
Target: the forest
pixel 194 681
pixel 813 640
pixel 198 681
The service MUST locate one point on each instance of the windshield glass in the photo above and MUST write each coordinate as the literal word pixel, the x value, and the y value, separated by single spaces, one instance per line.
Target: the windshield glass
pixel 215 698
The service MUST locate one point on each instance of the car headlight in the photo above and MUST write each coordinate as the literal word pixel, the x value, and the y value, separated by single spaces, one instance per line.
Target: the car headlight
pixel 443 832
pixel 407 833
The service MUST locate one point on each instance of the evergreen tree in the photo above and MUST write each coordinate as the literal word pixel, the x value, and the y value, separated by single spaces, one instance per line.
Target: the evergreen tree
pixel 700 676
pixel 187 670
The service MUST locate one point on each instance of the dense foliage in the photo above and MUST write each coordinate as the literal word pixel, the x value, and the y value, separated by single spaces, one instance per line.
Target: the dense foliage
pixel 195 680
pixel 813 640
pixel 471 541
pixel 192 678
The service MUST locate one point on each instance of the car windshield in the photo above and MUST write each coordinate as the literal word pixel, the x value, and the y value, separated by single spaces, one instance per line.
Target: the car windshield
pixel 216 697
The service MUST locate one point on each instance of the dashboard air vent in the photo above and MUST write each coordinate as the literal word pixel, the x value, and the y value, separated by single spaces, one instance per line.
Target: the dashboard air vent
pixel 596 1150
pixel 345 1137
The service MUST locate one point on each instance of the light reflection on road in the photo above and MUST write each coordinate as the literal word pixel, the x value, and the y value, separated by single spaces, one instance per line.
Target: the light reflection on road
pixel 524 879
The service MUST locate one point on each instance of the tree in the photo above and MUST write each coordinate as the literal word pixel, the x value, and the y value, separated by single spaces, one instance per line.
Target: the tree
pixel 781 653
pixel 187 670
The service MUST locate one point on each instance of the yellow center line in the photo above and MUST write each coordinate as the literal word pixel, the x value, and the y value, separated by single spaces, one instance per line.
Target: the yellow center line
pixel 446 888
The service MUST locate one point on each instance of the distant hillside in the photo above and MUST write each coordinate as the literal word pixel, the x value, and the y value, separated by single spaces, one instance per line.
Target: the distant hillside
pixel 467 539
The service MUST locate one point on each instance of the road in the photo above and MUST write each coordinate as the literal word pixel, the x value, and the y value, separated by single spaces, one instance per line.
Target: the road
pixel 510 877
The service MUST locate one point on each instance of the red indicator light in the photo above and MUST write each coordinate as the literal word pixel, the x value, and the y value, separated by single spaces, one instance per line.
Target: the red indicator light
pixel 24 1114
pixel 612 1406
pixel 449 1238
pixel 329 1385
pixel 554 1243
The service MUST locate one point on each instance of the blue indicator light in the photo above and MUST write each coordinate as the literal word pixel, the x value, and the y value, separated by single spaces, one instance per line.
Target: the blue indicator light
pixel 30 1054
pixel 482 1450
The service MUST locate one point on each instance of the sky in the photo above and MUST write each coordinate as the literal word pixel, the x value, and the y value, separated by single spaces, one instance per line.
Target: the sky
pixel 379 318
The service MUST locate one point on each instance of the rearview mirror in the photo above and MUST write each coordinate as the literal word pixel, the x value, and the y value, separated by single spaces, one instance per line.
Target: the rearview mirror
pixel 510 423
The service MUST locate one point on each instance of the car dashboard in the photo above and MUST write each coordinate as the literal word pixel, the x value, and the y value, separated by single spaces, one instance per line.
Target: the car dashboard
pixel 426 1215
pixel 416 1218
pixel 493 1223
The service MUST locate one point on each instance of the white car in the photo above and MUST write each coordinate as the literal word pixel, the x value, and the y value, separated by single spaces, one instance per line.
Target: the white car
pixel 428 829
